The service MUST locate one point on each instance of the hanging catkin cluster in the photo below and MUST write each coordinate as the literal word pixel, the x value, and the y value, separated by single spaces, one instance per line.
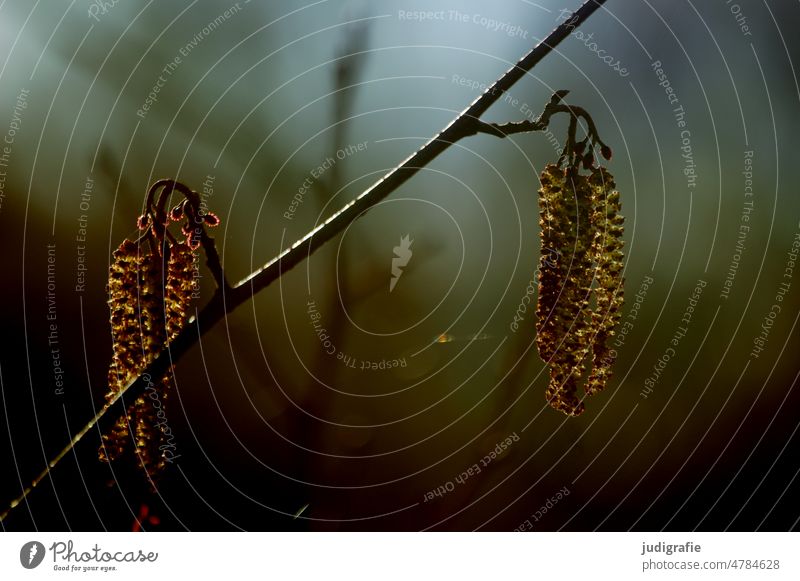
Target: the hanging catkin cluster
pixel 580 294
pixel 150 286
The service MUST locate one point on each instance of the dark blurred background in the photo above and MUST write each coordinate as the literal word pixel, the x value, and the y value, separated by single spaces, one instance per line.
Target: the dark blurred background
pixel 269 424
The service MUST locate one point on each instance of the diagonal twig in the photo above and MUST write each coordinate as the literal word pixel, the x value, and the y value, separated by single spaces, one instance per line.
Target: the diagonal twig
pixel 227 298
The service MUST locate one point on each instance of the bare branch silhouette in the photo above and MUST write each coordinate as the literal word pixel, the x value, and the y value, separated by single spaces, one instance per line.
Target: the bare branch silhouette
pixel 227 298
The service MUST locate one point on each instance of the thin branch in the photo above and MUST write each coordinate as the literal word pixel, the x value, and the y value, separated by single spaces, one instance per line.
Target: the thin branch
pixel 227 298
pixel 207 242
pixel 573 150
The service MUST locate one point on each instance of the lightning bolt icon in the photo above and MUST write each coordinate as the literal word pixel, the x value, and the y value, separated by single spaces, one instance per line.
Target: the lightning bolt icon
pixel 402 254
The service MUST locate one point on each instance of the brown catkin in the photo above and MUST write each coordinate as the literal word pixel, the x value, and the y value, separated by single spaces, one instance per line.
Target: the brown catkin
pixel 147 311
pixel 571 215
pixel 608 291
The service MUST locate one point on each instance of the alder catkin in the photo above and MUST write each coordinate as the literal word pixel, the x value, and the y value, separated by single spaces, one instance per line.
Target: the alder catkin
pixel 151 283
pixel 581 226
pixel 608 291
pixel 148 310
